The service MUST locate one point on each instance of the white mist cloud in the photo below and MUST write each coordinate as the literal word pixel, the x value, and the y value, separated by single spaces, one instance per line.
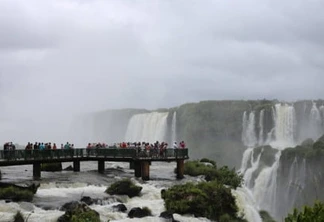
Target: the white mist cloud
pixel 59 58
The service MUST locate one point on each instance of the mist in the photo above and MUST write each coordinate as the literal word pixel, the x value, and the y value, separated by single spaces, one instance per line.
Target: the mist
pixel 59 60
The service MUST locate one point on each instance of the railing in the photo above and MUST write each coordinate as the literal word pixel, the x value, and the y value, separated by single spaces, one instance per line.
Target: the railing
pixel 12 155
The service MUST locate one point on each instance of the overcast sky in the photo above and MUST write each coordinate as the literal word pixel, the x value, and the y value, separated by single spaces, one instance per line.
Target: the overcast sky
pixel 59 57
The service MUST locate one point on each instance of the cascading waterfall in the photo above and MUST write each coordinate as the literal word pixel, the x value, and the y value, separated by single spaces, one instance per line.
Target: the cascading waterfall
pixel 174 128
pixel 285 126
pixel 248 134
pixel 148 127
pixel 261 120
pixel 315 123
pixel 264 186
pixel 249 172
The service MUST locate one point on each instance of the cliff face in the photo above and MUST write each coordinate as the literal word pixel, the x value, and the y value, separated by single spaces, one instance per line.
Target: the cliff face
pixel 209 128
pixel 300 177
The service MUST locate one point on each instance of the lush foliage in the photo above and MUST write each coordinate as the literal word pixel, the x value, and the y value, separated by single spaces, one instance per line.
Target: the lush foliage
pixel 223 175
pixel 308 214
pixel 206 199
pixel 89 216
pixel 51 167
pixel 124 187
pixel 16 194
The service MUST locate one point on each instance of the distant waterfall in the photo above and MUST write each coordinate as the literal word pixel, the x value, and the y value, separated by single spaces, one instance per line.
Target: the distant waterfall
pixel 148 127
pixel 248 135
pixel 315 123
pixel 174 128
pixel 261 120
pixel 285 126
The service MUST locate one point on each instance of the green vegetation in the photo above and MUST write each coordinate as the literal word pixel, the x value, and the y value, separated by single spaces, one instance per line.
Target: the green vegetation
pixel 79 212
pixel 16 194
pixel 212 199
pixel 51 167
pixel 206 199
pixel 266 217
pixel 18 217
pixel 223 175
pixel 124 187
pixel 314 152
pixel 89 216
pixel 308 214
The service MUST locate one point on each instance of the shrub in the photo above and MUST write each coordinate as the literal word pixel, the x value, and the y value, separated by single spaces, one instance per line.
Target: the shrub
pixel 16 194
pixel 206 199
pixel 308 214
pixel 89 216
pixel 124 187
pixel 224 175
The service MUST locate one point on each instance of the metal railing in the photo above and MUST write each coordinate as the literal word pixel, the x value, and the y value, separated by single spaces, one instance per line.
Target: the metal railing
pixel 134 153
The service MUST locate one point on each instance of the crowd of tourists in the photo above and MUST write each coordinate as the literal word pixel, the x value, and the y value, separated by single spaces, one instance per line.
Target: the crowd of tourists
pixel 47 146
pixel 53 146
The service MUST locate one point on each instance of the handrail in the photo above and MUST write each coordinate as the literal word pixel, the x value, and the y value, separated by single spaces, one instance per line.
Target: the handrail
pixel 120 153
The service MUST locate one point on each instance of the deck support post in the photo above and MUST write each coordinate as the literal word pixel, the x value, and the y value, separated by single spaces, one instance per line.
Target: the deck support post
pixel 37 171
pixel 132 165
pixel 180 169
pixel 145 166
pixel 76 165
pixel 101 166
pixel 138 168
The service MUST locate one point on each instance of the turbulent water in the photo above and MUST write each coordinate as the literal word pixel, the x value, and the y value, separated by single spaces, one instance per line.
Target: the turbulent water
pixel 62 187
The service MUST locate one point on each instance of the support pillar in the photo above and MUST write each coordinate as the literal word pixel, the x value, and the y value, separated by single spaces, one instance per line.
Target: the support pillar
pixel 132 165
pixel 76 165
pixel 180 169
pixel 36 171
pixel 145 165
pixel 138 168
pixel 101 166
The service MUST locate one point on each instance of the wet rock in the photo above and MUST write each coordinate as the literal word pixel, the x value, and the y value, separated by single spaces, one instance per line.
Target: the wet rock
pixel 120 207
pixel 87 200
pixel 139 212
pixel 78 211
pixel 69 168
pixel 167 215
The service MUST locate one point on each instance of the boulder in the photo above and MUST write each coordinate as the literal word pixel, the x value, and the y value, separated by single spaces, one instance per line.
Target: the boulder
pixel 124 187
pixel 87 200
pixel 120 207
pixel 78 212
pixel 168 216
pixel 51 167
pixel 69 168
pixel 139 212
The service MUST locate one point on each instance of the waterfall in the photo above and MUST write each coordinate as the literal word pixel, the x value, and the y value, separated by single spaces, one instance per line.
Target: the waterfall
pixel 249 172
pixel 148 127
pixel 261 127
pixel 174 128
pixel 285 126
pixel 315 122
pixel 248 134
pixel 265 188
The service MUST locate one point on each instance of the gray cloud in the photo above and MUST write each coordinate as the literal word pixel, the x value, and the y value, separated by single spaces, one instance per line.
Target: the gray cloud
pixel 58 58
